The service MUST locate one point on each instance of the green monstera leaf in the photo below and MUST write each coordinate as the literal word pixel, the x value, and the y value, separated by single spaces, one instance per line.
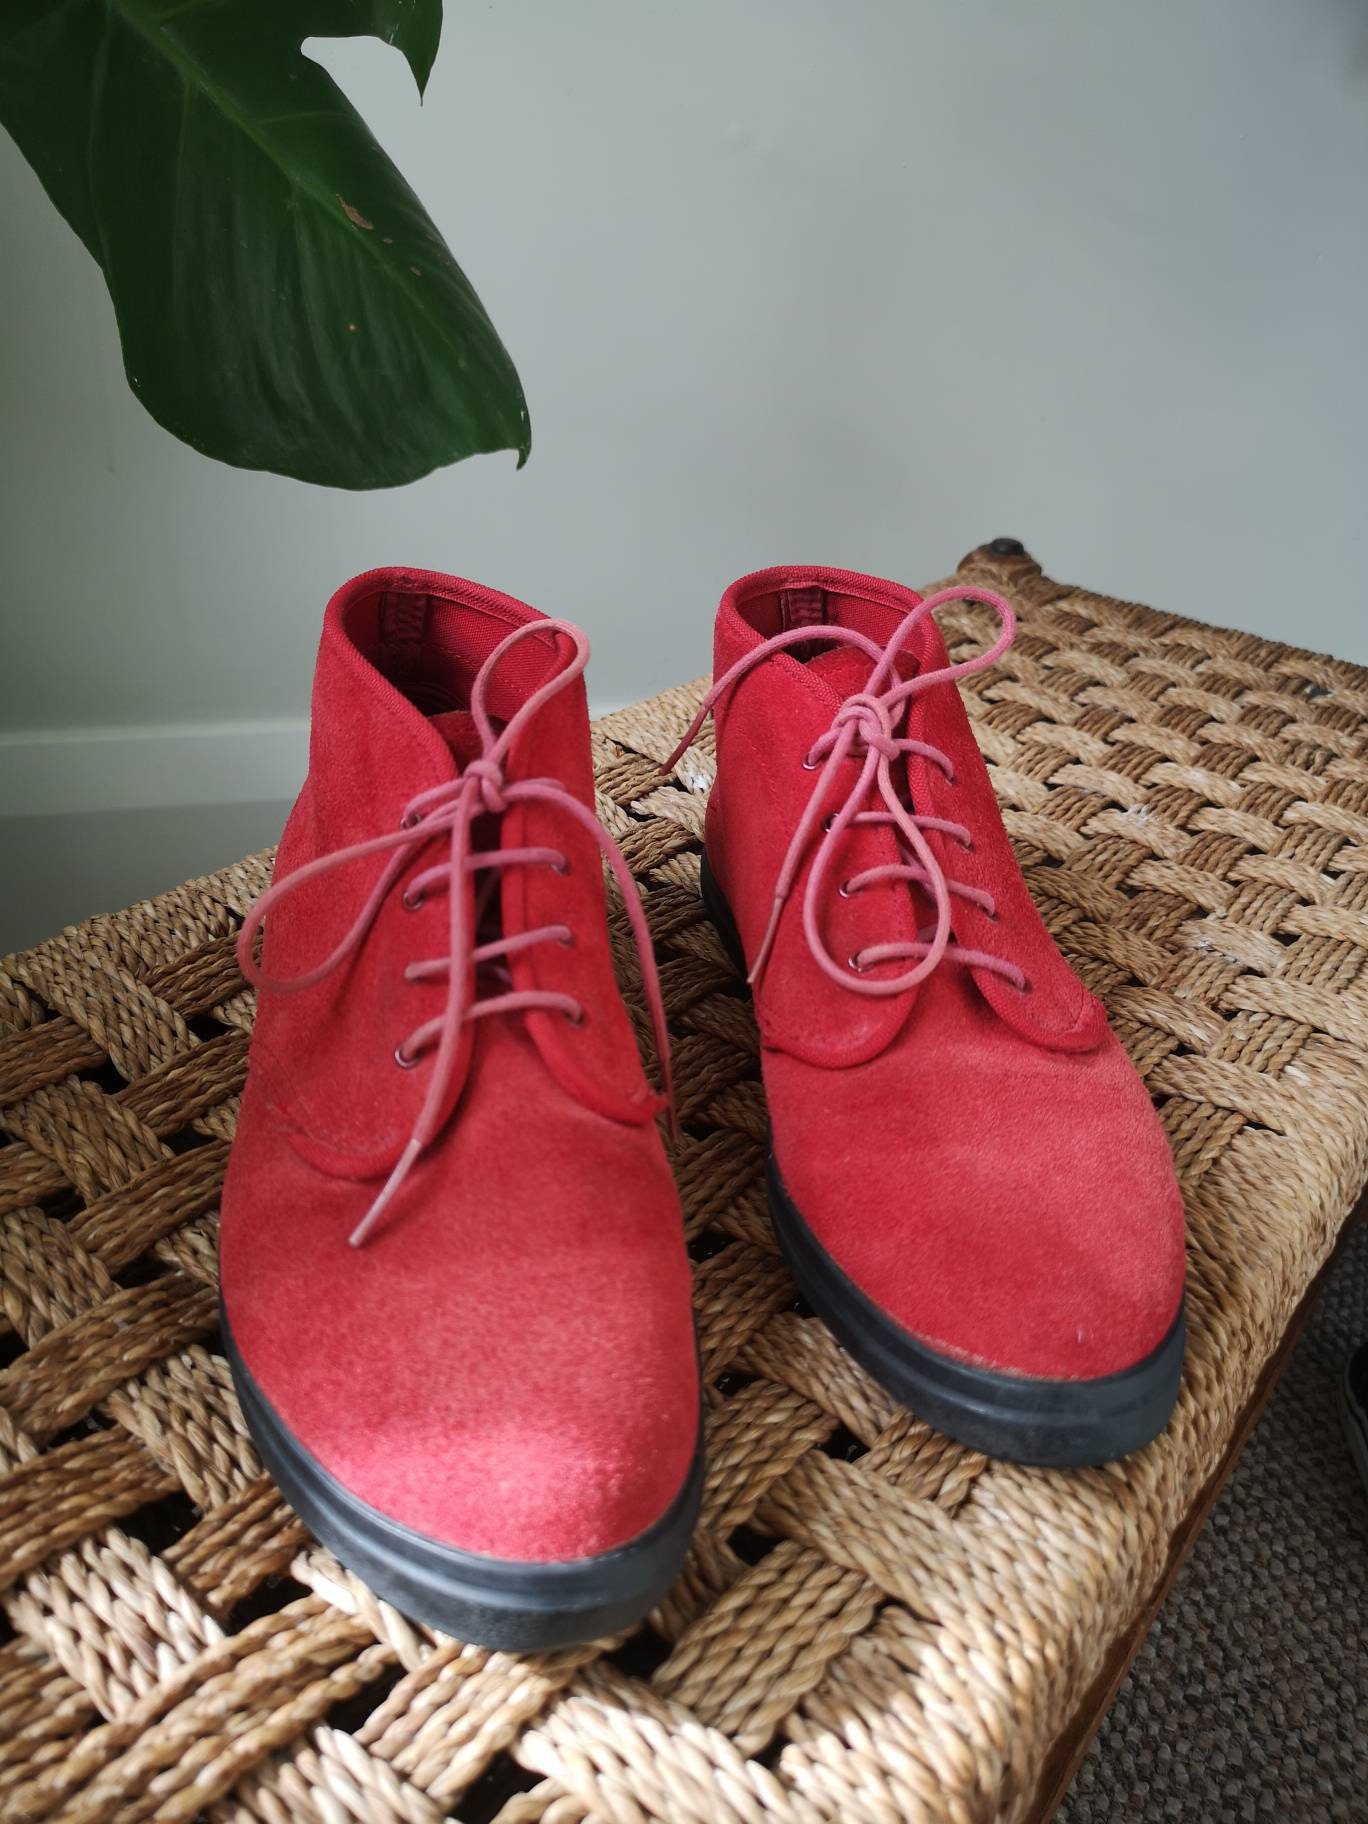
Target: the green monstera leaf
pixel 283 300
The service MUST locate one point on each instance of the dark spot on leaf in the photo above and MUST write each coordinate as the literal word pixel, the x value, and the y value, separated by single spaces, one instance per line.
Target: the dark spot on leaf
pixel 354 216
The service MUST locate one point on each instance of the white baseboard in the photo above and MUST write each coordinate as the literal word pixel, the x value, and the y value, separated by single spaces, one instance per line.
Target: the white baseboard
pixel 53 772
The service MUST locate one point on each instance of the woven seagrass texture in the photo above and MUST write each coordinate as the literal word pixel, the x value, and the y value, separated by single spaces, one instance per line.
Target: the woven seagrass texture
pixel 874 1623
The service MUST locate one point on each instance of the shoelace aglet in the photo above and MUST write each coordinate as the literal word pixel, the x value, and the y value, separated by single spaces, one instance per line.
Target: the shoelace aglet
pixel 401 1171
pixel 767 943
pixel 671 761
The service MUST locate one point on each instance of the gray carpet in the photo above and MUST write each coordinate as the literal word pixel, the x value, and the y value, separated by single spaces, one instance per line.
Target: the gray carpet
pixel 1249 1700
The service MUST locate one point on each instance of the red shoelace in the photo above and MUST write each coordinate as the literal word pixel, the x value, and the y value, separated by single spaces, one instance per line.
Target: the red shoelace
pixel 447 812
pixel 865 728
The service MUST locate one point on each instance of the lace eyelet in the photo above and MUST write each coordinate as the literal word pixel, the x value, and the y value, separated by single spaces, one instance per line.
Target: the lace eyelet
pixel 576 1018
pixel 856 964
pixel 410 820
pixel 402 1059
pixel 829 822
pixel 560 867
pixel 1024 986
pixel 568 941
pixel 810 765
pixel 413 902
pixel 845 889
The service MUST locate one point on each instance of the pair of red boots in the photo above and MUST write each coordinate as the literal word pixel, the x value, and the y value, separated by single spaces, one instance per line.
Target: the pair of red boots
pixel 488 1404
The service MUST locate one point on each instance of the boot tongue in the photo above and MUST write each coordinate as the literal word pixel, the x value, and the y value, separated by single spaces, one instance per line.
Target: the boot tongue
pixel 845 671
pixel 842 669
pixel 457 729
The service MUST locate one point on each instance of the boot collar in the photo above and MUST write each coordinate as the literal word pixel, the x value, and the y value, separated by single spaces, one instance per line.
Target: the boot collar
pixel 378 879
pixel 840 907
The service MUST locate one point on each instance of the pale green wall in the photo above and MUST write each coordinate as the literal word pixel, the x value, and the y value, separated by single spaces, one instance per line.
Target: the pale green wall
pixel 858 283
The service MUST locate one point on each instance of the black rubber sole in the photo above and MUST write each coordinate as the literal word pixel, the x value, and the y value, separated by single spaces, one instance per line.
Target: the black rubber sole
pixel 1354 1416
pixel 494 1602
pixel 1061 1424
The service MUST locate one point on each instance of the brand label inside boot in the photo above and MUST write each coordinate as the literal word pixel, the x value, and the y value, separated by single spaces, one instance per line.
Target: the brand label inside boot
pixel 802 608
pixel 403 626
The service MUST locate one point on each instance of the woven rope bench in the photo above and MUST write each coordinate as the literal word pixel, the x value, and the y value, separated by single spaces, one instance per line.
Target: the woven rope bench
pixel 874 1623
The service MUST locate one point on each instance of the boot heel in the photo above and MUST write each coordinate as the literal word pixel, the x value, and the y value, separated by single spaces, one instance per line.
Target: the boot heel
pixel 719 912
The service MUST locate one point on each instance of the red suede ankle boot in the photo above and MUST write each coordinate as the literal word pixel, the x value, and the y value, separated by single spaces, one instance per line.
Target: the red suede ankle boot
pixel 966 1173
pixel 456 1298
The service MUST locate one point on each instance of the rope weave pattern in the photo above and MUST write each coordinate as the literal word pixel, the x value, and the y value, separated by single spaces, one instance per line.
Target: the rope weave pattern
pixel 874 1624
